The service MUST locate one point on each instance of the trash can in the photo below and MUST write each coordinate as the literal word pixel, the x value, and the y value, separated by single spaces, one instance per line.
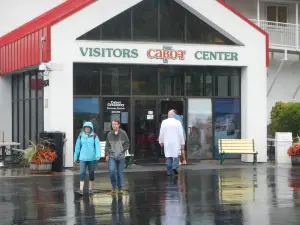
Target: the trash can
pixel 58 140
pixel 283 140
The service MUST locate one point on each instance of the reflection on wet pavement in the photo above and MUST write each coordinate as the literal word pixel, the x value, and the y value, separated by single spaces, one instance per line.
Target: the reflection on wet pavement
pixel 258 196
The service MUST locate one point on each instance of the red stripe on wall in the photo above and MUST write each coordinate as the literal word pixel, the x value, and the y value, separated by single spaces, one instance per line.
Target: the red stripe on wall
pixel 251 24
pixel 21 48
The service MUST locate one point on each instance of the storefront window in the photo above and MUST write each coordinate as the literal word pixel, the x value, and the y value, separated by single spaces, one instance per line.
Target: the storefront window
pixel 194 81
pixel 171 81
pixel 86 109
pixel 144 80
pixel 157 20
pixel 28 120
pixel 197 31
pixel 208 84
pixel 86 79
pixel 145 20
pixel 199 135
pixel 235 85
pixel 172 21
pixel 116 80
pixel 94 34
pixel 227 122
pixel 118 28
pixel 221 86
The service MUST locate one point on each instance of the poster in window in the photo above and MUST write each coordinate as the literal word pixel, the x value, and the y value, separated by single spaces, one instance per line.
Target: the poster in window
pixel 227 123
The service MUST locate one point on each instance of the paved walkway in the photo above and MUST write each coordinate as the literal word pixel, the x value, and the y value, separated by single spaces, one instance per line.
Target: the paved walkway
pixel 201 194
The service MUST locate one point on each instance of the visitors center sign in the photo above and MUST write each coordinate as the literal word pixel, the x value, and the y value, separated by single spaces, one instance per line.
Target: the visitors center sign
pixel 159 53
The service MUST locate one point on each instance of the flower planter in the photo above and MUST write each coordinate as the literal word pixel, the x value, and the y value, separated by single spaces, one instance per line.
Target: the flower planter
pixel 46 167
pixel 295 160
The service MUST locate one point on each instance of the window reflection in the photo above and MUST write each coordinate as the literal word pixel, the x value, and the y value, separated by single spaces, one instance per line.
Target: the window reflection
pixel 116 80
pixel 144 80
pixel 118 28
pixel 86 79
pixel 27 119
pixel 172 21
pixel 157 20
pixel 235 85
pixel 194 81
pixel 200 143
pixel 145 19
pixel 171 81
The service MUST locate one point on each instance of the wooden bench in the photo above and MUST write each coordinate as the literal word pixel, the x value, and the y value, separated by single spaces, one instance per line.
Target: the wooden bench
pixel 128 156
pixel 237 146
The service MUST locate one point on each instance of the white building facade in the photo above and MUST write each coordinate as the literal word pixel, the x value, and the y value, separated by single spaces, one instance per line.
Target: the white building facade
pixel 280 19
pixel 133 74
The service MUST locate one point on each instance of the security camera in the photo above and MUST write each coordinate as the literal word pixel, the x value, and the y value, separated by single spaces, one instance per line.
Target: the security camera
pixel 44 69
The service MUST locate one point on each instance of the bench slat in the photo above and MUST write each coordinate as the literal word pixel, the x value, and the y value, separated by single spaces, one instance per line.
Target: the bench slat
pixel 237 146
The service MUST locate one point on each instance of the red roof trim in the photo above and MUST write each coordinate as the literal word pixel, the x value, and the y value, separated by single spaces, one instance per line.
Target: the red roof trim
pixel 49 18
pixel 251 24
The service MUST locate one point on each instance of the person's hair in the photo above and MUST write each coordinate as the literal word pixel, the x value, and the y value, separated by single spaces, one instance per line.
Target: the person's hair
pixel 116 121
pixel 175 111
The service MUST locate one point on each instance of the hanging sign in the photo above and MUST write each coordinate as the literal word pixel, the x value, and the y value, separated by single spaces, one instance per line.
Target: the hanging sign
pixel 115 106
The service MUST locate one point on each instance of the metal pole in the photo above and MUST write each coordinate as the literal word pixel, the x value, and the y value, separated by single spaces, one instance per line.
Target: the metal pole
pixel 258 14
pixel 297 27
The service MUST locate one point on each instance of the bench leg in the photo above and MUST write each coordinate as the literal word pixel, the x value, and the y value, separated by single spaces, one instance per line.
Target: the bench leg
pixel 222 158
pixel 254 158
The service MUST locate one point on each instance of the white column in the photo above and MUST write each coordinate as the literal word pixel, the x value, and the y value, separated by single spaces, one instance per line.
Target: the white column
pixel 6 108
pixel 297 27
pixel 59 114
pixel 254 109
pixel 258 14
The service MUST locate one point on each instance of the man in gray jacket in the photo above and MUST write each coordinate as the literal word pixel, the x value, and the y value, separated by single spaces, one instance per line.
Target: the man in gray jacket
pixel 117 143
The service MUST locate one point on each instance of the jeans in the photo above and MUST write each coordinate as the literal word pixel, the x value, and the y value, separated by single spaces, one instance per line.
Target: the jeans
pixel 172 163
pixel 119 165
pixel 91 166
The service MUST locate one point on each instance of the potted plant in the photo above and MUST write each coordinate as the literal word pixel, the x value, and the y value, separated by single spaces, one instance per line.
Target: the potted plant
pixel 39 156
pixel 294 152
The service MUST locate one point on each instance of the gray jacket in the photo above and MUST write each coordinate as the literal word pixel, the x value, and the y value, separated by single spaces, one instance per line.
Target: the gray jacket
pixel 116 144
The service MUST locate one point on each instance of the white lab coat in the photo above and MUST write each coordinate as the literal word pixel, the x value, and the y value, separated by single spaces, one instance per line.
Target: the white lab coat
pixel 171 136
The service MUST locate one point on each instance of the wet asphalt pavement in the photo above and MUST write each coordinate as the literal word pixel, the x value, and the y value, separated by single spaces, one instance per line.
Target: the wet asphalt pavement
pixel 247 195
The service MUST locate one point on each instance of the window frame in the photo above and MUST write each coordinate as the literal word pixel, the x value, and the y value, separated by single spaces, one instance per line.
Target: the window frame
pixel 277 5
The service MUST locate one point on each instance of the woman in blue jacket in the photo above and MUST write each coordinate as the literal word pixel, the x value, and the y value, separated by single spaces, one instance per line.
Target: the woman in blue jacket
pixel 87 151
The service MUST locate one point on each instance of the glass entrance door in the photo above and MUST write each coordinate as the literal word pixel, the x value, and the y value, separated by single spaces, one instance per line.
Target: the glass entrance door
pixel 145 130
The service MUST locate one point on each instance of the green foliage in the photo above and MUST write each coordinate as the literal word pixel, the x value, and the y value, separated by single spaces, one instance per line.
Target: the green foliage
pixel 285 117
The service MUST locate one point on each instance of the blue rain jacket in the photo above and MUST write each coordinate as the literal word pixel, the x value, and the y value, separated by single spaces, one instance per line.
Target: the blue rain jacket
pixel 87 147
pixel 177 117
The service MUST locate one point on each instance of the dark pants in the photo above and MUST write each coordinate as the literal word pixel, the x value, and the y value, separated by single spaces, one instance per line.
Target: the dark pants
pixel 119 165
pixel 91 166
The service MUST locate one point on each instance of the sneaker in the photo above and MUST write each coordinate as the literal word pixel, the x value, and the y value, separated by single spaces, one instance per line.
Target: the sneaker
pixel 113 192
pixel 79 192
pixel 91 192
pixel 175 171
pixel 120 192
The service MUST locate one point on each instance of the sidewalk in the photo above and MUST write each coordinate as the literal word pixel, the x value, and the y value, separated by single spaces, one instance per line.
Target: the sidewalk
pixel 146 167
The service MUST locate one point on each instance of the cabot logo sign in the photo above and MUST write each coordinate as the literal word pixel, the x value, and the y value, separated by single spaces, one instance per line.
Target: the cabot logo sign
pixel 166 53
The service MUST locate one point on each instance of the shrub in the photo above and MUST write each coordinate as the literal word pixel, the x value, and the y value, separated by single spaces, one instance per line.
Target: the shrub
pixel 285 117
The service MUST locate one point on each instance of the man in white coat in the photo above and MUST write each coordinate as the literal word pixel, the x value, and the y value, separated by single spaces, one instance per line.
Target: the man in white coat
pixel 172 139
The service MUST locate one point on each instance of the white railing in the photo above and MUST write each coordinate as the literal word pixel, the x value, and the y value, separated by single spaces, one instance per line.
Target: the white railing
pixel 281 35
